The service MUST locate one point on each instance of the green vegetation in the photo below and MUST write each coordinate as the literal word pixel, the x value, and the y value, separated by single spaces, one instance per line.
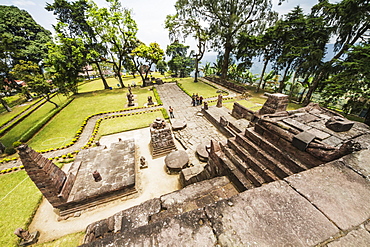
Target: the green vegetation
pixel 62 129
pixel 120 124
pixel 15 133
pixel 70 240
pixel 189 87
pixel 19 199
pixel 7 116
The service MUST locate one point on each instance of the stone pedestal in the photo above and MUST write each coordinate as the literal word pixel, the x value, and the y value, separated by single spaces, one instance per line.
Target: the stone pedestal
pixel 176 161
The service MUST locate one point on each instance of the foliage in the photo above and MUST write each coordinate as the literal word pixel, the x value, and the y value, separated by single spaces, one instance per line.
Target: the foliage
pixel 180 64
pixel 352 81
pixel 162 66
pixel 144 57
pixel 156 96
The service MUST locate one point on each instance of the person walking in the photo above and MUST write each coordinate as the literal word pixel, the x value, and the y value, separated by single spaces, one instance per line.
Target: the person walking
pixel 171 112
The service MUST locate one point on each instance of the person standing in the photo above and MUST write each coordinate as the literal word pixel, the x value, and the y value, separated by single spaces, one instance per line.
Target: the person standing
pixel 171 112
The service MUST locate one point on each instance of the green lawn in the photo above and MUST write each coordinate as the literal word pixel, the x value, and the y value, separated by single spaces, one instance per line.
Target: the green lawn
pixel 6 116
pixel 63 127
pixel 19 198
pixel 13 101
pixel 116 125
pixel 199 88
pixel 15 133
pixel 70 240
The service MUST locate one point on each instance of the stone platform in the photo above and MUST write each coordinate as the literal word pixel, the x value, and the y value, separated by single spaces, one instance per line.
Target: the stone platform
pixel 116 166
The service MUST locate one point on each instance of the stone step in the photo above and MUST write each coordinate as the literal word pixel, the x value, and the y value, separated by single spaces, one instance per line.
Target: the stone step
pixel 289 161
pixel 242 180
pixel 260 154
pixel 253 164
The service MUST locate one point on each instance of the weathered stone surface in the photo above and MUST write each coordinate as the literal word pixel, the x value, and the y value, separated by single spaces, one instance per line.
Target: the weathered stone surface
pixel 178 124
pixel 337 191
pixel 276 102
pixel 202 151
pixel 271 215
pixel 339 124
pixel 358 238
pixel 296 124
pixel 321 135
pixel 302 140
pixel 176 161
pixel 359 161
pixel 333 141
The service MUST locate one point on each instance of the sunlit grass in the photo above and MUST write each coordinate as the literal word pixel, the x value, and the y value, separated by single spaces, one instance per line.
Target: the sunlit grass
pixel 116 125
pixel 19 199
pixel 70 240
pixel 200 88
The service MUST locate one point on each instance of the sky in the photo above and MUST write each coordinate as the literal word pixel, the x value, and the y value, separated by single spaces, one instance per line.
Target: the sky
pixel 148 14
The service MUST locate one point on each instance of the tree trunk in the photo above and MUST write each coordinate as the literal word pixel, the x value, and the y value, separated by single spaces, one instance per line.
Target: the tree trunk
pixel 196 70
pixel 47 98
pixel 367 118
pixel 118 72
pixel 262 74
pixel 106 86
pixel 3 102
pixel 225 62
pixel 292 87
pixel 282 83
pixel 312 88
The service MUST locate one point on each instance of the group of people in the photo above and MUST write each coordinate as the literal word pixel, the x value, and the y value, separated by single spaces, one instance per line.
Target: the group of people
pixel 196 100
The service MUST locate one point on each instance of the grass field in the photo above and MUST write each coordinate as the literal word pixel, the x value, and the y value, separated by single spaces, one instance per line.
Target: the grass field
pixel 6 116
pixel 199 88
pixel 70 240
pixel 116 125
pixel 61 130
pixel 19 198
pixel 15 133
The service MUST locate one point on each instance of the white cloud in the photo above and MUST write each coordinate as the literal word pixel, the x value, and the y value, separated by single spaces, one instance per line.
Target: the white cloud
pixel 23 3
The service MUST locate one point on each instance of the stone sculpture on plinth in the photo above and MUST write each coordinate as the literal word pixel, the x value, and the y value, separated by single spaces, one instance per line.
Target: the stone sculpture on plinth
pixel 219 100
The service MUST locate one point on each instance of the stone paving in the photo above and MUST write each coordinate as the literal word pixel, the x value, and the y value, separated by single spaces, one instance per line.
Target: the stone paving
pixel 198 129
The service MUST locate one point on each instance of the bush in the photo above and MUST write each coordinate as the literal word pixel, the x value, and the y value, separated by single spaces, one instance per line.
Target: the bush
pixel 17 144
pixel 10 150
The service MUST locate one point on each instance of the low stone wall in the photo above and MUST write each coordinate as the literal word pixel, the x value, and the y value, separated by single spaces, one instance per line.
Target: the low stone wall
pixel 230 85
pixel 240 111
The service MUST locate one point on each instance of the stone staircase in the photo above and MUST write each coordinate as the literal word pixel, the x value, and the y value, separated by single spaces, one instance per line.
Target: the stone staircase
pixel 157 212
pixel 257 160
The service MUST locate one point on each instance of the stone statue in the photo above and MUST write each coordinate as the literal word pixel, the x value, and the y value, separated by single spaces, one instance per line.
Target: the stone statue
pixel 26 237
pixel 219 100
pixel 22 234
pixel 143 163
pixel 130 98
pixel 129 89
pixel 150 100
pixel 159 123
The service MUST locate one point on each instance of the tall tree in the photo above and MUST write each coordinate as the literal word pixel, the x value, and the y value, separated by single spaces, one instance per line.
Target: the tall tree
pixel 225 20
pixel 352 81
pixel 74 15
pixel 116 30
pixel 21 38
pixel 187 25
pixel 350 21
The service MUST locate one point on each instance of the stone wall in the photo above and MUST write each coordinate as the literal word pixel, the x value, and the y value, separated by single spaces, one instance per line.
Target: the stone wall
pixel 240 111
pixel 276 102
pixel 230 85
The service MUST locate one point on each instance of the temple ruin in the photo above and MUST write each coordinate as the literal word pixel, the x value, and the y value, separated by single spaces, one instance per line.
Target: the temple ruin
pixel 295 178
pixel 79 188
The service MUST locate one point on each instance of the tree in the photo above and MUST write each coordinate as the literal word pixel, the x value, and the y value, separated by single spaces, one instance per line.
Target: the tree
pixel 180 64
pixel 116 30
pixel 30 73
pixel 352 80
pixel 162 66
pixel 225 20
pixel 349 21
pixel 65 61
pixel 145 56
pixel 74 15
pixel 187 25
pixel 21 38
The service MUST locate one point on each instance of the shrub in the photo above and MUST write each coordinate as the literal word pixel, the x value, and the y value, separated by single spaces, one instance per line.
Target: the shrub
pixel 17 144
pixel 10 150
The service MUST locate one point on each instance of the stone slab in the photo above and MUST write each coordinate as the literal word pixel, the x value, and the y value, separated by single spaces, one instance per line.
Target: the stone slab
pixel 339 124
pixel 176 160
pixel 359 161
pixel 337 191
pixel 302 140
pixel 358 238
pixel 296 124
pixel 321 135
pixel 333 141
pixel 271 215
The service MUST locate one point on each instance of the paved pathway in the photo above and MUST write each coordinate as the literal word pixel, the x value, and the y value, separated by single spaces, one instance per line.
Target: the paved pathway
pixel 198 129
